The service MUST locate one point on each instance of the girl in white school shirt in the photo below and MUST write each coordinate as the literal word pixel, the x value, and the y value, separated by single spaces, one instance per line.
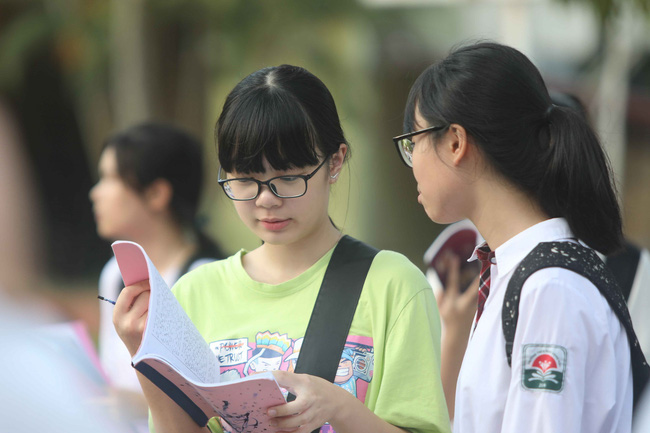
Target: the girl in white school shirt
pixel 486 143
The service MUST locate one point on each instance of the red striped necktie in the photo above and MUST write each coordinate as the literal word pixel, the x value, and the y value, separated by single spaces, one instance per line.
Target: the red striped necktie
pixel 486 257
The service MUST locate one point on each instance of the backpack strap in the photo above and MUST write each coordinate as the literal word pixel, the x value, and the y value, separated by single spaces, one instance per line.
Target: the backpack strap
pixel 585 262
pixel 334 309
pixel 624 265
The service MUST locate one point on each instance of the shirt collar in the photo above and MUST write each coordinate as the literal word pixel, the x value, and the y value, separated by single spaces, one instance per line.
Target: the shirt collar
pixel 516 248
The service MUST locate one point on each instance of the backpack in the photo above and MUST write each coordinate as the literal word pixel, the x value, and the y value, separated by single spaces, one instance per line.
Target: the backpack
pixel 583 261
pixel 624 266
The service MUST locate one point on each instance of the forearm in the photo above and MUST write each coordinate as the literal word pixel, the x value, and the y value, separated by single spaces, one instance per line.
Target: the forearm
pixel 453 351
pixel 354 417
pixel 168 417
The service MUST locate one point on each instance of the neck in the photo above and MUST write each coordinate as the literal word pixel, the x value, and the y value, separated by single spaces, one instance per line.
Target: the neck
pixel 275 264
pixel 503 212
pixel 167 247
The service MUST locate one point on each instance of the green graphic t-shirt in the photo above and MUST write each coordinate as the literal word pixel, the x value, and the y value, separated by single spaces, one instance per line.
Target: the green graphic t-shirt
pixel 391 360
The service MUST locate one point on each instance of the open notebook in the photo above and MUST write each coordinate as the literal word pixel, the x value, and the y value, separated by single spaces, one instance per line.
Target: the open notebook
pixel 175 357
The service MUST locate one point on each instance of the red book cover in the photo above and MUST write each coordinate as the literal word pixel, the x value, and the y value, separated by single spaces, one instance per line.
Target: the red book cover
pixel 458 239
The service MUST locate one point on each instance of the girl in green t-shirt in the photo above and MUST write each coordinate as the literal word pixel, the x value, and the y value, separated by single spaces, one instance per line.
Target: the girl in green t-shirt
pixel 281 148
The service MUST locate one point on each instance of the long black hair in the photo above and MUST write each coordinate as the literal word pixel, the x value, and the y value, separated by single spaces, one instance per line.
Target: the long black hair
pixel 283 114
pixel 150 151
pixel 551 152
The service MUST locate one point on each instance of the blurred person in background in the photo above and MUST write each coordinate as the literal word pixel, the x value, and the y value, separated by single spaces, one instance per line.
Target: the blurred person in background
pixel 281 149
pixel 149 188
pixel 486 143
pixel 40 384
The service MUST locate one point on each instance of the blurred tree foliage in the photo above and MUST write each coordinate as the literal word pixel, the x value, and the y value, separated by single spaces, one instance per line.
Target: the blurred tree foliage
pixel 79 69
pixel 607 10
pixel 190 54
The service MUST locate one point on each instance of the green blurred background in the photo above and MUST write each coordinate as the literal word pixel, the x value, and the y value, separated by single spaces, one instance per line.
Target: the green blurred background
pixel 74 71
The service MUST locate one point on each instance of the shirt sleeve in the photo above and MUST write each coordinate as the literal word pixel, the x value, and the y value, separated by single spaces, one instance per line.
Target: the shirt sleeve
pixel 564 342
pixel 411 395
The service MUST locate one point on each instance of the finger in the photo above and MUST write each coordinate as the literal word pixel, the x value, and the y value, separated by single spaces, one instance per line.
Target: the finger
pixel 130 314
pixel 294 383
pixel 440 298
pixel 140 307
pixel 303 421
pixel 129 294
pixel 286 409
pixel 133 305
pixel 287 380
pixel 453 275
pixel 471 294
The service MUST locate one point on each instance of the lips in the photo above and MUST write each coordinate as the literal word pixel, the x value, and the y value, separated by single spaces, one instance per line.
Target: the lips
pixel 274 224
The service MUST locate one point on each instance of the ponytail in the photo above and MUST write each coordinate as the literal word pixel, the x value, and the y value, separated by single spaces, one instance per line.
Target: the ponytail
pixel 578 183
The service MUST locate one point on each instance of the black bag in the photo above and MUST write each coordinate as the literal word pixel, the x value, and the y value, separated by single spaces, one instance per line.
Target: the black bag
pixel 585 262
pixel 334 309
pixel 623 266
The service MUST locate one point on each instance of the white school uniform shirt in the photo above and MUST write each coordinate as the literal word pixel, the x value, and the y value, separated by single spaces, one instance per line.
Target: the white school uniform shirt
pixel 571 368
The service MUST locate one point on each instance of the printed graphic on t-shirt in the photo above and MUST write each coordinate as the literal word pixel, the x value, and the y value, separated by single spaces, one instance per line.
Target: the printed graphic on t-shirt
pixel 544 366
pixel 240 357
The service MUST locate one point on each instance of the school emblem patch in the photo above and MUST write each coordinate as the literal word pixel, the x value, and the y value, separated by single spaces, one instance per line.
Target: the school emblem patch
pixel 543 367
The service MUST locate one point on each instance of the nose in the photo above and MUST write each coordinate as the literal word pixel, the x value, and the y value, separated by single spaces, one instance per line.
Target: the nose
pixel 93 192
pixel 266 198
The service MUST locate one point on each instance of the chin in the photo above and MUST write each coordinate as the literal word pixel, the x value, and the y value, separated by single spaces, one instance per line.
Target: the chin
pixel 433 216
pixel 272 238
pixel 103 233
pixel 437 217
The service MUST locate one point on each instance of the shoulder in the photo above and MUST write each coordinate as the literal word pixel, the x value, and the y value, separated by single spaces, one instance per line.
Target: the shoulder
pixel 564 271
pixel 397 275
pixel 206 270
pixel 394 265
pixel 551 287
pixel 110 268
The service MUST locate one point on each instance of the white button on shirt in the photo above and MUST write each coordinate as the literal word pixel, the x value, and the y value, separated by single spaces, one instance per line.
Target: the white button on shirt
pixel 565 326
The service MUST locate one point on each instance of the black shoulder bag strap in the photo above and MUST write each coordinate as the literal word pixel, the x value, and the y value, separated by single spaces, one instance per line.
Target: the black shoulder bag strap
pixel 585 262
pixel 334 309
pixel 624 265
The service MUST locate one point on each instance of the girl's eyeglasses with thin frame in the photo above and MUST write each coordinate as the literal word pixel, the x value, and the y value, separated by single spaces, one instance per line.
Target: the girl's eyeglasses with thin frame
pixel 405 145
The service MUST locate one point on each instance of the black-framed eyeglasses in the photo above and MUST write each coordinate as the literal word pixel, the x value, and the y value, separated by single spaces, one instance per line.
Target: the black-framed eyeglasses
pixel 404 144
pixel 287 186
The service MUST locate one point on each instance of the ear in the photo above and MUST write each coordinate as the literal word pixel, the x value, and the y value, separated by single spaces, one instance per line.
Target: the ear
pixel 458 144
pixel 159 194
pixel 336 162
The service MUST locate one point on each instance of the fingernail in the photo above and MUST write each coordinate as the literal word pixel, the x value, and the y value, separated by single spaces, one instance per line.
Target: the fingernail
pixel 272 412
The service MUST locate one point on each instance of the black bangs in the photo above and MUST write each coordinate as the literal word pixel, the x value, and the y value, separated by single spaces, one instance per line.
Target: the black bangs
pixel 265 123
pixel 423 97
pixel 409 111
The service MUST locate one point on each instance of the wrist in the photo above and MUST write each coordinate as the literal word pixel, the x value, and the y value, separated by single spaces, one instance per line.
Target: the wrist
pixel 344 406
pixel 456 333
